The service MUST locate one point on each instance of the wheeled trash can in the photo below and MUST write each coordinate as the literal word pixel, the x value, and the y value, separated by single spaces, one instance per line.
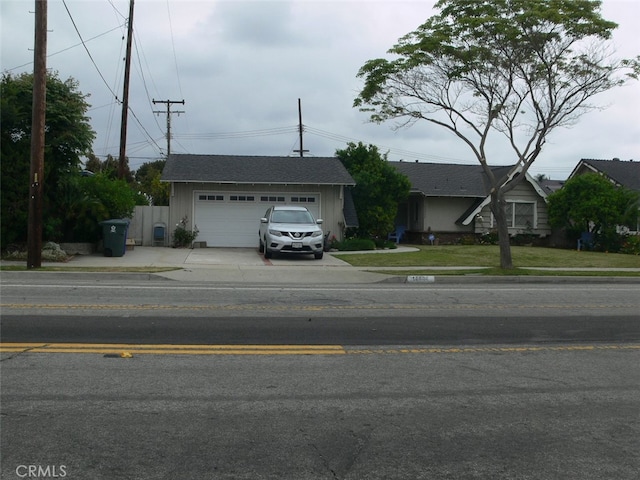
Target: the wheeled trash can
pixel 114 233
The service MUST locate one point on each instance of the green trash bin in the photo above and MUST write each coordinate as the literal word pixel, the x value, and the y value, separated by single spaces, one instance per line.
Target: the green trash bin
pixel 114 233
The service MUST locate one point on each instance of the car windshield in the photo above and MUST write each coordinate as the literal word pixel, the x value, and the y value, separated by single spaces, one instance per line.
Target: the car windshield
pixel 291 216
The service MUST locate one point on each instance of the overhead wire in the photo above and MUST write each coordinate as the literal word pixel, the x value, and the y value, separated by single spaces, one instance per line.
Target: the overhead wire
pixel 220 135
pixel 150 140
pixel 118 74
pixel 67 48
pixel 138 47
pixel 242 134
pixel 87 50
pixel 393 150
pixel 173 48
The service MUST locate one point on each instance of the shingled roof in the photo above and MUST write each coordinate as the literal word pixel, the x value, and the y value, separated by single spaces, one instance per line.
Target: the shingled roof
pixel 626 174
pixel 448 180
pixel 255 170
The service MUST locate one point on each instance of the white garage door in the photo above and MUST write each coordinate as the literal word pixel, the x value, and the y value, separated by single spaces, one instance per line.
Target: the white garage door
pixel 230 219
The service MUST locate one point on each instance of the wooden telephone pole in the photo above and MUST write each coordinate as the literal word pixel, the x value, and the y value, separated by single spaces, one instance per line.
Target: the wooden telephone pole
pixel 300 129
pixel 169 112
pixel 125 96
pixel 36 175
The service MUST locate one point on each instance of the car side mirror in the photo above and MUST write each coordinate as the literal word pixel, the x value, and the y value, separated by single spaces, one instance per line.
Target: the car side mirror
pixel 319 221
pixel 263 220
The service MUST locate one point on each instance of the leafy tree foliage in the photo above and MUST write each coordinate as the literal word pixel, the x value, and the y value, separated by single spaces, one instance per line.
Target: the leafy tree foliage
pixel 379 188
pixel 109 167
pixel 68 136
pixel 85 201
pixel 591 203
pixel 148 178
pixel 73 205
pixel 515 69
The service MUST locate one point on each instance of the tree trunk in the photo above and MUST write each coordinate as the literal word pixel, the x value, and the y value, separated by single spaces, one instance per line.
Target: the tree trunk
pixel 498 205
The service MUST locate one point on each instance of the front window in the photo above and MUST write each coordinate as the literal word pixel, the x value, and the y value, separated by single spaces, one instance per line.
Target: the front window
pixel 520 214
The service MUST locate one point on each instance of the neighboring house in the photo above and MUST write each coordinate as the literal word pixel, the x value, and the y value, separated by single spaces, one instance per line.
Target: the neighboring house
pixel 453 200
pixel 226 195
pixel 620 173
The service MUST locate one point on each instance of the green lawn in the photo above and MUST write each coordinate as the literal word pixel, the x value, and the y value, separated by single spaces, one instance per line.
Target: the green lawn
pixel 489 256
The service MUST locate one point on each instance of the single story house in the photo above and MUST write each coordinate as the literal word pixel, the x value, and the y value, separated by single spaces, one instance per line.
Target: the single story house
pixel 226 195
pixel 451 200
pixel 620 173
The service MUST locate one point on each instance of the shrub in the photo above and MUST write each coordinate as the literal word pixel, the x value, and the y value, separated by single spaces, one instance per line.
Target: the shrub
pixel 489 238
pixel 468 240
pixel 631 245
pixel 183 237
pixel 355 244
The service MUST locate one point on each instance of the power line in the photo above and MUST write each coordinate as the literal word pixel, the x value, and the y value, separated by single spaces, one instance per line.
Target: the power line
pixel 241 134
pixel 173 47
pixel 68 48
pixel 87 49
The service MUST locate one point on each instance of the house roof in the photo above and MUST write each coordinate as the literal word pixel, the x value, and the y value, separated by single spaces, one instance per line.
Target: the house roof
pixel 623 173
pixel 448 180
pixel 451 180
pixel 255 170
pixel 549 186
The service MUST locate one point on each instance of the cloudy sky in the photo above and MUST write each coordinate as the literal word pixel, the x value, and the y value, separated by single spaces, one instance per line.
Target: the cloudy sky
pixel 241 66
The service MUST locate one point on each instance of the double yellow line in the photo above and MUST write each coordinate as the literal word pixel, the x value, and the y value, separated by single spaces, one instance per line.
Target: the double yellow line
pixel 128 350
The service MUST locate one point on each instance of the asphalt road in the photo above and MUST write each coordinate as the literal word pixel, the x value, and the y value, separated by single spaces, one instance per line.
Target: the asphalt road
pixel 382 382
pixel 559 412
pixel 320 330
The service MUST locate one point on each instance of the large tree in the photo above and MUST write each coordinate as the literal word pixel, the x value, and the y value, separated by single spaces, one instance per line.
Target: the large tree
pixel 591 203
pixel 379 188
pixel 68 137
pixel 517 69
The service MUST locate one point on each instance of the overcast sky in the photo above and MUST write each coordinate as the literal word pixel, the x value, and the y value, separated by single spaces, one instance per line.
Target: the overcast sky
pixel 240 67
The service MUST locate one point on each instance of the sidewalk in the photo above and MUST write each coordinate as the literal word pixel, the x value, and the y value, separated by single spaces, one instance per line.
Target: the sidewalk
pixel 246 265
pixel 224 265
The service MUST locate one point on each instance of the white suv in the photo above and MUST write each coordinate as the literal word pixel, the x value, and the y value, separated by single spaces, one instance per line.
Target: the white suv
pixel 292 230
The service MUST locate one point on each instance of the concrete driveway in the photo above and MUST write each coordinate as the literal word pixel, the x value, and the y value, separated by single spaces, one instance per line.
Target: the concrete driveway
pixel 251 256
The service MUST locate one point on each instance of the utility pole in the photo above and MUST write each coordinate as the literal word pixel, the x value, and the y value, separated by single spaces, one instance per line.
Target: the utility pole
pixel 300 129
pixel 125 95
pixel 169 112
pixel 36 175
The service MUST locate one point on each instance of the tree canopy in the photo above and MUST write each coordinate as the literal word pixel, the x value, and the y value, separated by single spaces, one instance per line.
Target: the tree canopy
pixel 68 136
pixel 591 203
pixel 379 188
pixel 148 177
pixel 73 205
pixel 511 69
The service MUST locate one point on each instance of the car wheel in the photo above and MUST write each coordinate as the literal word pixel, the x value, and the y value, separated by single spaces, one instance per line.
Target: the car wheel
pixel 267 253
pixel 260 245
pixel 318 256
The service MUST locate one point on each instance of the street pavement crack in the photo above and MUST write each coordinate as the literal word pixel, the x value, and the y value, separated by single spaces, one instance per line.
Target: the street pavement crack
pixel 26 350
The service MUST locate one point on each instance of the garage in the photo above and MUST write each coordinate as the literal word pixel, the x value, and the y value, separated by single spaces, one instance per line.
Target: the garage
pixel 226 195
pixel 231 219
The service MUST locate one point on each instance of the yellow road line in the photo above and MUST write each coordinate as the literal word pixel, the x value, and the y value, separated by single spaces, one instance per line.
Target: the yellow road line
pixel 126 350
pixel 521 349
pixel 172 349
